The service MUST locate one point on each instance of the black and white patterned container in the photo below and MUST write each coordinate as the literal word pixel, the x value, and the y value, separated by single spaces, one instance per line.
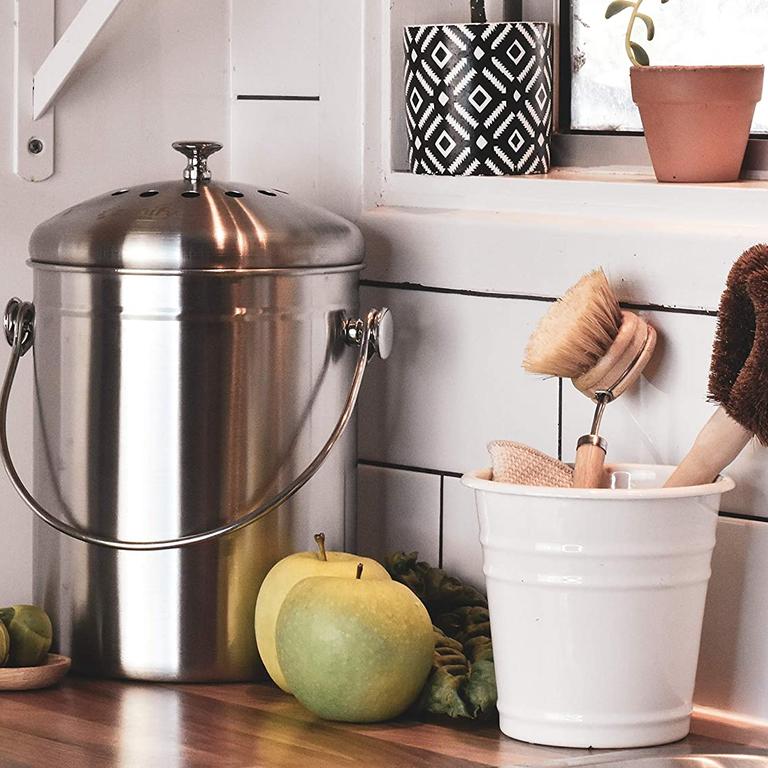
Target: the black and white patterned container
pixel 479 98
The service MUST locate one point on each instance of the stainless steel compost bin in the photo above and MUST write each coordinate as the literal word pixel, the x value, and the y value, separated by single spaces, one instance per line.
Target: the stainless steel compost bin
pixel 192 373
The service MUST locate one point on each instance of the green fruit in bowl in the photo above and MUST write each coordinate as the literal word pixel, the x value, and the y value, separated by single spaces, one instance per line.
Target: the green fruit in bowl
pixel 5 645
pixel 355 650
pixel 30 632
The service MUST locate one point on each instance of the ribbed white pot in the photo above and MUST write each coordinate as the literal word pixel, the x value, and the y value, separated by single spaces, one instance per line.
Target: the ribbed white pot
pixel 596 600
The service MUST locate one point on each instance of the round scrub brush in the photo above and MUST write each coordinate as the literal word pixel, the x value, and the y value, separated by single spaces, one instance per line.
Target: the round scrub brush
pixel 738 376
pixel 586 337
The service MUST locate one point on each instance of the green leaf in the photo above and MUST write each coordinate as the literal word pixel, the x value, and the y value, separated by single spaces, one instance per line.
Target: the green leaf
pixel 640 55
pixel 617 6
pixel 651 29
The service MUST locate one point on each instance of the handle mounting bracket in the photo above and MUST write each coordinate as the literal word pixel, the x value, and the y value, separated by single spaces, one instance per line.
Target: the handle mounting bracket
pixel 42 66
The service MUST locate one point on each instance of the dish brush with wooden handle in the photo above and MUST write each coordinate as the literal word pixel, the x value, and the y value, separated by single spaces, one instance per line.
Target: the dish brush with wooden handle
pixel 738 376
pixel 588 338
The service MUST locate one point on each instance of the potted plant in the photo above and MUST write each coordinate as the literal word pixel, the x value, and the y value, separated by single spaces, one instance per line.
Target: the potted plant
pixel 696 119
pixel 479 96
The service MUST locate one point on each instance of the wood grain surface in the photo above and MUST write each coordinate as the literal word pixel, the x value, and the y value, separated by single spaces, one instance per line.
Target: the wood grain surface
pixel 83 723
pixel 32 678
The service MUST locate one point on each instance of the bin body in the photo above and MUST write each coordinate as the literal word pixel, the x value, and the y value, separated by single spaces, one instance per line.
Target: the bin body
pixel 190 362
pixel 597 600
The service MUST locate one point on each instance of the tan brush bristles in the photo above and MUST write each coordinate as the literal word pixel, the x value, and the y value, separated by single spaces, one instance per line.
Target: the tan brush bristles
pixel 577 331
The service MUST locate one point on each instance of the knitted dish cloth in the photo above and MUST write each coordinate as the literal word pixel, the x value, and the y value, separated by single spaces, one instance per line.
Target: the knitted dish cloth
pixel 522 465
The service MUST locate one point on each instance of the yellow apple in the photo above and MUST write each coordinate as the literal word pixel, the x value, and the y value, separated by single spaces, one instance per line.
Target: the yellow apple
pixel 282 578
pixel 354 650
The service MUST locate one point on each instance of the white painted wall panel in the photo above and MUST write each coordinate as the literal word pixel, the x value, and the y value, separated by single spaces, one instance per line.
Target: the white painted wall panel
pixel 398 511
pixel 462 553
pixel 276 144
pixel 277 47
pixel 454 382
pixel 314 149
pixel 157 73
pixel 733 665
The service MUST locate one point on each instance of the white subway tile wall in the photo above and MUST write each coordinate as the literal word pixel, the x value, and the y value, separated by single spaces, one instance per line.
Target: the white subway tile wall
pixel 454 382
pixel 462 553
pixel 399 511
pixel 734 653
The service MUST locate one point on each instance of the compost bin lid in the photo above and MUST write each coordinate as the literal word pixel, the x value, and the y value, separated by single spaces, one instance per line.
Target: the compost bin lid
pixel 196 223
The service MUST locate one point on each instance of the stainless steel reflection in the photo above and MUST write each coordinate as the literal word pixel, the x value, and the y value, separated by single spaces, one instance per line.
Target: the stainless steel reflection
pixel 191 360
pixel 176 402
pixel 185 225
pixel 373 335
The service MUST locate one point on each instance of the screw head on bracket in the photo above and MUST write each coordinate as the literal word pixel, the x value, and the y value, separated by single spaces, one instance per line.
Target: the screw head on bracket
pixel 35 146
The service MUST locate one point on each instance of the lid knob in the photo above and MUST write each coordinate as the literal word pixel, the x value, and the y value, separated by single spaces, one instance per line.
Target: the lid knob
pixel 197 154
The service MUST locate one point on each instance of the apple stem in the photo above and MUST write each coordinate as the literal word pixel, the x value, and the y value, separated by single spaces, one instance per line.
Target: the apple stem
pixel 359 571
pixel 320 541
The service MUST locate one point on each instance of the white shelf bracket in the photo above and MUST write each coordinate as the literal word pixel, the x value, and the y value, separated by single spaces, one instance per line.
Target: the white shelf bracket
pixel 42 68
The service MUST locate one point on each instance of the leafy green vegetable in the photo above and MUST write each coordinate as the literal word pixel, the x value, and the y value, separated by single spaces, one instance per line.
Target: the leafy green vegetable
pixel 462 682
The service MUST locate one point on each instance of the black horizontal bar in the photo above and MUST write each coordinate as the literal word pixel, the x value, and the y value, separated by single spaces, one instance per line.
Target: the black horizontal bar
pixel 740 516
pixel 456 291
pixel 257 97
pixel 407 468
pixel 525 297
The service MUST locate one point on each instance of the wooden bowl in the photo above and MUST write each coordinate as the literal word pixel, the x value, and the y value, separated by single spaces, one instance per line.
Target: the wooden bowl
pixel 30 678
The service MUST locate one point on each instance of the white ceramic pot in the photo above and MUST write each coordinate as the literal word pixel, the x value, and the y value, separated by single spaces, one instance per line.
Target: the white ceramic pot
pixel 597 599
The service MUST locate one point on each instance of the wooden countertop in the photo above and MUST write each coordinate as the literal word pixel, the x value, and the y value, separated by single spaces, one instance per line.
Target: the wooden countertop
pixel 84 723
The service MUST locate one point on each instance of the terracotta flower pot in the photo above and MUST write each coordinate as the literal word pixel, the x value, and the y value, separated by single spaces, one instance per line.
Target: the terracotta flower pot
pixel 697 119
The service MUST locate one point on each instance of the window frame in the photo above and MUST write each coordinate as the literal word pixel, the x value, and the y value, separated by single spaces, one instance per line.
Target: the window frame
pixel 596 149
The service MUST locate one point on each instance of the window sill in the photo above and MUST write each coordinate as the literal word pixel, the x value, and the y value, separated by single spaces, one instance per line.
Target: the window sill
pixel 628 192
pixel 668 245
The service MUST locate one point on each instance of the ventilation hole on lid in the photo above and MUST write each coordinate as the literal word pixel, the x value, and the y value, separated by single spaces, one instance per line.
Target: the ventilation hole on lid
pixel 119 192
pixel 281 191
pixel 267 193
pixel 190 194
pixel 233 193
pixel 148 193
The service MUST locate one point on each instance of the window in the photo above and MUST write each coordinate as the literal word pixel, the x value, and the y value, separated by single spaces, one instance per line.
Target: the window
pixel 700 32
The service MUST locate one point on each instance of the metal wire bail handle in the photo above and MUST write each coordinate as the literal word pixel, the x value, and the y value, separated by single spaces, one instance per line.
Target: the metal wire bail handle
pixel 373 336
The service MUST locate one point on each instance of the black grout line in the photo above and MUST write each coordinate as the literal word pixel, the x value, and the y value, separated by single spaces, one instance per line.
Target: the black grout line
pixel 455 291
pixel 442 474
pixel 407 468
pixel 739 516
pixel 259 97
pixel 671 310
pixel 525 297
pixel 440 526
pixel 559 419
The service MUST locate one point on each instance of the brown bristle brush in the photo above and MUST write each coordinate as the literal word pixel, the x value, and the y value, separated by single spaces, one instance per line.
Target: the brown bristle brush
pixel 588 338
pixel 738 375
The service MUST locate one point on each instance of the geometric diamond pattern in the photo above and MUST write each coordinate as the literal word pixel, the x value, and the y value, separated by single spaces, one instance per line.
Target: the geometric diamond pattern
pixel 479 98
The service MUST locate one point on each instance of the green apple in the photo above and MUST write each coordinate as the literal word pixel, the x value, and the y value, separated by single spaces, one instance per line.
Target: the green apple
pixel 5 645
pixel 353 649
pixel 30 631
pixel 282 578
